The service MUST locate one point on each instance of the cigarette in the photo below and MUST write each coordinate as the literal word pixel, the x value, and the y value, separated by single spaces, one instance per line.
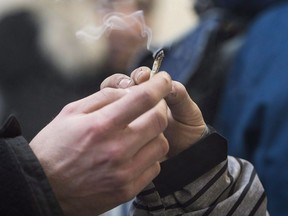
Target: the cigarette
pixel 158 57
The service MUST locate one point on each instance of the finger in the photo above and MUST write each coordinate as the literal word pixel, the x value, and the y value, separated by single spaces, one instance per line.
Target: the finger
pixel 152 152
pixel 144 129
pixel 137 184
pixel 139 100
pixel 140 75
pixel 147 176
pixel 182 106
pixel 95 101
pixel 117 81
pixel 145 164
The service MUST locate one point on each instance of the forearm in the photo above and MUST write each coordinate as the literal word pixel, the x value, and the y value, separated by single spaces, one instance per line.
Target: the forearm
pixel 215 184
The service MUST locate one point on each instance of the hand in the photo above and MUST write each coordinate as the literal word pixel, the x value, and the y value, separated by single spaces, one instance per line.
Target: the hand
pixel 104 149
pixel 185 121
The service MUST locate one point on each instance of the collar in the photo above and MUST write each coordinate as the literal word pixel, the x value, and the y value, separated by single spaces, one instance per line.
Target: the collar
pixel 11 128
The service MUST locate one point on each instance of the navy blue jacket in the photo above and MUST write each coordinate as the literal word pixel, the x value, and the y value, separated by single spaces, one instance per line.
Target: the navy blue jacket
pixel 253 113
pixel 246 44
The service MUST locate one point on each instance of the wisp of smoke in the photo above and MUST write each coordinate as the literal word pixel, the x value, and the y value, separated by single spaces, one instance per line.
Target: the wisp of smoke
pixel 117 21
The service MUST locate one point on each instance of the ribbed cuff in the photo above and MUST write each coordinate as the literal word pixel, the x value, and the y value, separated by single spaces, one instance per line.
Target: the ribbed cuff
pixel 36 181
pixel 189 165
pixel 25 189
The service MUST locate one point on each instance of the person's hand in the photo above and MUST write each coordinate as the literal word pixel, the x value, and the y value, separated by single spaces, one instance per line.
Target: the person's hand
pixel 186 124
pixel 101 151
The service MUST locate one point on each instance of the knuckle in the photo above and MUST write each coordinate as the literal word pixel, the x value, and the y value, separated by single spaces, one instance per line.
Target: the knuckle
pixel 123 177
pixel 93 134
pixel 164 144
pixel 180 94
pixel 125 182
pixel 122 184
pixel 108 91
pixel 160 120
pixel 127 193
pixel 101 128
pixel 117 155
pixel 181 89
pixel 112 81
pixel 147 98
pixel 69 108
pixel 166 79
pixel 157 168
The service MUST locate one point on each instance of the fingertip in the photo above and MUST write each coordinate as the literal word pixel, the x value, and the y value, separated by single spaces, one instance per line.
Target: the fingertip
pixel 117 81
pixel 141 74
pixel 165 76
pixel 177 93
pixel 104 83
pixel 125 83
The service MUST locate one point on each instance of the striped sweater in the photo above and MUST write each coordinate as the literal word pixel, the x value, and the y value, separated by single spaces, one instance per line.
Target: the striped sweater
pixel 203 180
pixel 200 181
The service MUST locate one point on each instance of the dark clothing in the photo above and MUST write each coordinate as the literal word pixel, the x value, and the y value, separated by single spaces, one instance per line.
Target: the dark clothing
pixel 217 185
pixel 253 112
pixel 200 59
pixel 243 43
pixel 24 189
pixel 252 7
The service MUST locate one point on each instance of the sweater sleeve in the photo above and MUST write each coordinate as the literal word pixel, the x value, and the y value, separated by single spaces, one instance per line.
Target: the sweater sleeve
pixel 203 180
pixel 24 188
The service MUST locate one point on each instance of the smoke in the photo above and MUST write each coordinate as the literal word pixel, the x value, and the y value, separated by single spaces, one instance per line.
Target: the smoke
pixel 120 22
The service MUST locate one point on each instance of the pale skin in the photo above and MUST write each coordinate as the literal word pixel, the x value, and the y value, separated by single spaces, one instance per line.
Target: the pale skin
pixel 94 152
pixel 185 121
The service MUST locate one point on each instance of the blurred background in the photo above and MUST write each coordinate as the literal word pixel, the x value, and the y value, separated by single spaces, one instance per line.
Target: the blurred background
pixel 230 55
pixel 44 65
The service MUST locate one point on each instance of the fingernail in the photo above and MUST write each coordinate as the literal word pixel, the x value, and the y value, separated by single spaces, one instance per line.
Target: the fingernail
pixel 140 72
pixel 124 83
pixel 173 92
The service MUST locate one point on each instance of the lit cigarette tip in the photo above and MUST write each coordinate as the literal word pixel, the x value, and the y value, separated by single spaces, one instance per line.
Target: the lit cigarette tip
pixel 158 53
pixel 158 57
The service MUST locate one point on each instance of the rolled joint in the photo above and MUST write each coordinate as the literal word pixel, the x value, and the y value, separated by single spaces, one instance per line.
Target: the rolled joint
pixel 158 57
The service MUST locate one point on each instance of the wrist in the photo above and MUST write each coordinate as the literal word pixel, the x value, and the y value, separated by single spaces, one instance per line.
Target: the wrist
pixel 188 138
pixel 192 163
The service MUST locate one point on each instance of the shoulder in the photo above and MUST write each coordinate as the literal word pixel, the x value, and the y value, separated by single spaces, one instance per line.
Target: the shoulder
pixel 262 58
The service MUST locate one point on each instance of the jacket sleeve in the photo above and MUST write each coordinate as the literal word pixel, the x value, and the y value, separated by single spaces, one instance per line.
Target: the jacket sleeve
pixel 24 188
pixel 203 181
pixel 253 113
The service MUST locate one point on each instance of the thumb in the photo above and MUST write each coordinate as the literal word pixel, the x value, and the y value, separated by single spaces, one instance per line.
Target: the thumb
pixel 182 107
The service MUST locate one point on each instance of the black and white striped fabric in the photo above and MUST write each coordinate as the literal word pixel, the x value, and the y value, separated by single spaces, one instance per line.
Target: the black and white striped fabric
pixel 204 181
